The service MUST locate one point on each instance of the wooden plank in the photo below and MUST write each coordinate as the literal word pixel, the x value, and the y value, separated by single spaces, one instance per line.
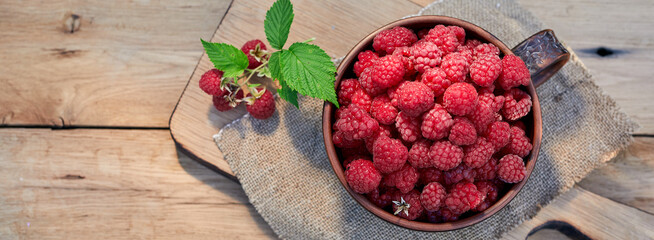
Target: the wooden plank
pixel 125 63
pixel 115 184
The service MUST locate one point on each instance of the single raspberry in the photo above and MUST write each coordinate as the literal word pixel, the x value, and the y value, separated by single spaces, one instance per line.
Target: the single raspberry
pixel 460 99
pixel 222 102
pixel 346 90
pixel 392 92
pixel 432 196
pixel 366 83
pixel 456 67
pixel 517 104
pixel 511 169
pixel 489 194
pixel 467 53
pixel 489 89
pixel 472 43
pixel 366 60
pixel 458 174
pixel 383 130
pixel 488 171
pixel 498 134
pixel 477 154
pixel 382 110
pixel 428 175
pixel 362 99
pixel 436 80
pixel 414 98
pixel 425 55
pixel 355 123
pixel 462 132
pixel 251 46
pixel 481 117
pixel 494 102
pixel 485 70
pixel 514 72
pixel 342 142
pixel 362 176
pixel 264 106
pixel 210 82
pixel 445 155
pixel 423 32
pixel 444 38
pixel 382 200
pixel 408 127
pixel 388 71
pixel 519 144
pixel 445 215
pixel 351 159
pixel 386 41
pixel 408 205
pixel 404 179
pixel 405 53
pixel 459 32
pixel 436 123
pixel 463 197
pixel 486 49
pixel 419 154
pixel 389 155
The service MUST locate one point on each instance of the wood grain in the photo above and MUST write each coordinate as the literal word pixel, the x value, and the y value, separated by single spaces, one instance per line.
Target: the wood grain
pixel 125 64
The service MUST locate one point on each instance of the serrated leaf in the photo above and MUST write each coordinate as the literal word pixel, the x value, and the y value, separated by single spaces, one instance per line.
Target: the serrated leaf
pixel 286 92
pixel 278 23
pixel 227 58
pixel 310 71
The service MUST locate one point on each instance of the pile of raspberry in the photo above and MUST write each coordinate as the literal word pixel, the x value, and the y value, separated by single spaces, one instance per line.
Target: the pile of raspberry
pixel 431 129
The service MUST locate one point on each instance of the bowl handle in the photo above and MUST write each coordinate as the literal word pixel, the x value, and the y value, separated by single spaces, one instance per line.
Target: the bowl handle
pixel 543 54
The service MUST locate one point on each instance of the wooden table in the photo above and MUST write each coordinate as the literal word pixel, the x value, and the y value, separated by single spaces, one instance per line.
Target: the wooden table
pixel 89 86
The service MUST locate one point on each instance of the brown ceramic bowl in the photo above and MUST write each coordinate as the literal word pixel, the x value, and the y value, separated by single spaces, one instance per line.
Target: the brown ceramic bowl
pixel 541 69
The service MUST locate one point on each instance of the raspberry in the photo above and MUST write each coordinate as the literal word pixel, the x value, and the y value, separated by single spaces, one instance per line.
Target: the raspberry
pixel 456 67
pixel 346 90
pixel 392 92
pixel 408 127
pixel 381 200
pixel 423 32
pixel 517 104
pixel 382 110
pixel 489 194
pixel 444 38
pixel 488 171
pixel 428 175
pixel 210 82
pixel 419 154
pixel 389 154
pixel 445 155
pixel 362 176
pixel 263 107
pixel 466 53
pixel 425 55
pixel 482 117
pixel 514 72
pixel 462 132
pixel 486 49
pixel 436 123
pixel 222 103
pixel 463 197
pixel 458 174
pixel 408 205
pixel 386 41
pixel 460 99
pixel 499 134
pixel 388 71
pixel 436 80
pixel 249 46
pixel 511 169
pixel 355 123
pixel 366 59
pixel 459 32
pixel 495 103
pixel 383 130
pixel 489 89
pixel 366 83
pixel 404 179
pixel 519 144
pixel 485 70
pixel 362 99
pixel 351 158
pixel 477 154
pixel 432 196
pixel 472 43
pixel 404 54
pixel 414 98
pixel 520 125
pixel 342 142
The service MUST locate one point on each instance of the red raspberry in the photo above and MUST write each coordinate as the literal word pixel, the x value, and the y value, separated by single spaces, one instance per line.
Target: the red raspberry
pixel 404 179
pixel 263 107
pixel 495 103
pixel 488 171
pixel 466 53
pixel 472 43
pixel 423 32
pixel 222 103
pixel 249 46
pixel 414 98
pixel 486 49
pixel 210 82
pixel 499 134
pixel 463 197
pixel 428 175
pixel 477 154
pixel 485 70
pixel 436 123
pixel 425 55
pixel 389 155
pixel 520 125
pixel 436 80
pixel 346 90
pixel 366 83
pixel 362 176
pixel 456 67
pixel 355 123
pixel 383 130
pixel 444 215
pixel 404 53
pixel 388 71
pixel 463 132
pixel 382 110
pixel 514 72
pixel 419 154
pixel 489 89
pixel 482 117
pixel 517 104
pixel 460 99
pixel 458 174
pixel 444 38
pixel 432 196
pixel 392 92
pixel 381 200
pixel 408 205
pixel 489 194
pixel 366 59
pixel 386 41
pixel 408 127
pixel 511 169
pixel 351 158
pixel 519 144
pixel 362 99
pixel 342 142
pixel 459 32
pixel 445 155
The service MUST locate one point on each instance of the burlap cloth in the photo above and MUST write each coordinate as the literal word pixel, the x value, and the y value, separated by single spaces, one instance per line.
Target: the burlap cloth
pixel 283 168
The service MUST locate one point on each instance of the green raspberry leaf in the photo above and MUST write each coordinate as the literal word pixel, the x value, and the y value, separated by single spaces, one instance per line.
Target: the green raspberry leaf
pixel 227 58
pixel 309 70
pixel 286 93
pixel 278 23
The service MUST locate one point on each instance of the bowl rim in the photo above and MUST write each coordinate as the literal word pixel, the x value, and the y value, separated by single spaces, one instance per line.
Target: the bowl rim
pixel 328 109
